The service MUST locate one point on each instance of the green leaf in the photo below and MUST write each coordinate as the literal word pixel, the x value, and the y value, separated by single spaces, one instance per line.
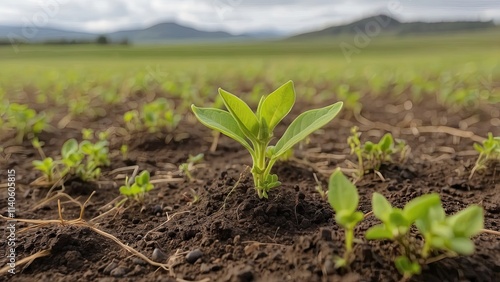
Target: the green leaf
pixel 244 116
pixel 418 207
pixel 386 142
pixel 305 124
pixel 478 148
pixel 143 178
pixel 342 194
pixel 221 121
pixel 381 207
pixel 368 147
pixel 347 219
pixel 467 222
pixel 406 267
pixel 397 219
pixel 435 215
pixel 463 246
pixel 378 232
pixel 278 104
pixel 69 147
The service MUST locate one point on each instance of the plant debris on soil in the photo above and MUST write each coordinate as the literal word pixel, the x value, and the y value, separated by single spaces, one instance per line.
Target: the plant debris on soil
pixel 230 234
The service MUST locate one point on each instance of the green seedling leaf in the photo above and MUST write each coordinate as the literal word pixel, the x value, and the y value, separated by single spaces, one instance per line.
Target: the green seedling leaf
pixel 143 178
pixel 305 124
pixel 434 215
pixel 221 121
pixel 478 148
pixel 69 147
pixel 378 232
pixel 381 207
pixel 241 112
pixel 463 246
pixel 398 220
pixel 342 194
pixel 369 147
pixel 468 222
pixel 406 267
pixel 277 105
pixel 348 219
pixel 418 207
pixel 386 142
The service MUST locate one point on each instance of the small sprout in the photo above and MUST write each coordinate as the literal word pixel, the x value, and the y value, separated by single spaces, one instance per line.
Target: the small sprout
pixel 103 136
pixel 489 152
pixel 186 167
pixel 87 134
pixel 319 188
pixel 36 143
pixel 254 130
pixel 124 151
pixel 154 116
pixel 47 167
pixel 85 159
pixel 131 119
pixel 406 267
pixel 139 188
pixel 343 197
pixel 25 121
pixel 372 155
pixel 441 233
pixel 193 199
pixel 451 234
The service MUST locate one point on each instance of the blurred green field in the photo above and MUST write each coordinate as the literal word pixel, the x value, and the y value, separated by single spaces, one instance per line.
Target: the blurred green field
pixel 458 69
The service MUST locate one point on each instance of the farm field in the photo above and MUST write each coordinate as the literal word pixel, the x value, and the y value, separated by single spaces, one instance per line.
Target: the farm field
pixel 203 220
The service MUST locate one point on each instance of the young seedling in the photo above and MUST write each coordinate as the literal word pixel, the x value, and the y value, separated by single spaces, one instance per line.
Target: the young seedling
pixel 153 116
pixel 255 130
pixel 138 189
pixel 319 188
pixel 186 167
pixel 124 151
pixel 489 152
pixel 450 234
pixel 47 166
pixel 24 120
pixel 85 159
pixel 343 197
pixel 372 155
pixel 87 134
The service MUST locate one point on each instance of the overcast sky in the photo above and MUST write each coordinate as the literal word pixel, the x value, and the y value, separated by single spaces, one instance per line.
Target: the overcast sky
pixel 235 16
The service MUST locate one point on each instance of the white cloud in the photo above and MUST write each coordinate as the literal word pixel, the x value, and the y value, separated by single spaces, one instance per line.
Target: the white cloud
pixel 235 16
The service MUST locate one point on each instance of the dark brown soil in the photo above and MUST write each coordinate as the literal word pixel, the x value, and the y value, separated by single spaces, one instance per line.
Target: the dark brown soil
pixel 291 236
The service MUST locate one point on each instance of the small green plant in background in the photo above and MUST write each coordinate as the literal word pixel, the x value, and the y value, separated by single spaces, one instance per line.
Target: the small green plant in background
pixel 343 197
pixel 138 189
pixel 24 120
pixel 186 167
pixel 85 159
pixel 47 166
pixel 154 116
pixel 372 155
pixel 87 134
pixel 441 233
pixel 489 152
pixel 124 151
pixel 254 130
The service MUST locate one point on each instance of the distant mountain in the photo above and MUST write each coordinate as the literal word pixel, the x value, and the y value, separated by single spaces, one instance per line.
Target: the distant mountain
pixel 167 32
pixel 164 32
pixel 38 34
pixel 388 25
